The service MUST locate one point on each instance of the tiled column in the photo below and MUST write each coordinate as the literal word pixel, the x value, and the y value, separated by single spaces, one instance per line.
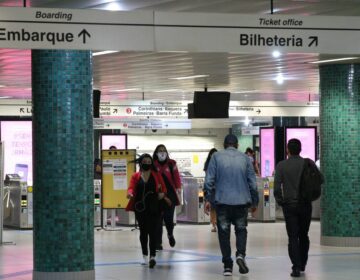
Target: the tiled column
pixel 63 165
pixel 340 154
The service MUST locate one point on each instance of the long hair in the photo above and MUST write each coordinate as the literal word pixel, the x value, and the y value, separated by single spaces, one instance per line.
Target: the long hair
pixel 213 150
pixel 139 160
pixel 155 156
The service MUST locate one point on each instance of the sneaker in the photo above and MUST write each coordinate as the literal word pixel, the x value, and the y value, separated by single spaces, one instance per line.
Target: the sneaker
pixel 172 241
pixel 295 273
pixel 145 260
pixel 152 262
pixel 159 248
pixel 240 260
pixel 227 271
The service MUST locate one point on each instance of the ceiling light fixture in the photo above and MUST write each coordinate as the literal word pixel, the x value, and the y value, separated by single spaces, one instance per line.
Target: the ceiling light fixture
pixel 103 52
pixel 189 77
pixel 5 97
pixel 333 60
pixel 170 90
pixel 280 79
pixel 127 89
pixel 276 54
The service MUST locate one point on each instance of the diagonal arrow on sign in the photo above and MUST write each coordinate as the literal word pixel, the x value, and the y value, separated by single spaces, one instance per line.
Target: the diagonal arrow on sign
pixel 314 41
pixel 84 33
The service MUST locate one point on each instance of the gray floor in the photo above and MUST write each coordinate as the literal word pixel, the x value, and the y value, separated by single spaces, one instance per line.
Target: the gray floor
pixel 196 256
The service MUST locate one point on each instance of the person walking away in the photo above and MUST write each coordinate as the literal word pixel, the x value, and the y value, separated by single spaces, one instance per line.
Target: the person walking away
pixel 212 199
pixel 297 213
pixel 170 173
pixel 231 176
pixel 145 190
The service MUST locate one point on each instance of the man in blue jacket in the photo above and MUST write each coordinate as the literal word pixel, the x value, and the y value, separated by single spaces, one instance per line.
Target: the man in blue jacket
pixel 231 176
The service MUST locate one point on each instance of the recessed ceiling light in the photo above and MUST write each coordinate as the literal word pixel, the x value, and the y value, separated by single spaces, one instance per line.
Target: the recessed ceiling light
pixel 189 77
pixel 5 97
pixel 276 54
pixel 333 60
pixel 103 52
pixel 280 79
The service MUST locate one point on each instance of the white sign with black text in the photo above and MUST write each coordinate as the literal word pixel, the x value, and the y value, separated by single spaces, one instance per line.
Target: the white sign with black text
pixel 40 28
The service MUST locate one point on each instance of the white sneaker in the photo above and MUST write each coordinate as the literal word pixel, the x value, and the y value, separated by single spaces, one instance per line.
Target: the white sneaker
pixel 145 260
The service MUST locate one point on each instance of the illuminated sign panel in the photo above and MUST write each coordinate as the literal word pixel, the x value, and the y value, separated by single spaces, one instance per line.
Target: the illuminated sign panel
pixel 267 149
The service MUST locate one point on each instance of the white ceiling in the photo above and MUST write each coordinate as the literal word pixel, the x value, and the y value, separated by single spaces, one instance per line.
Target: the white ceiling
pixel 247 77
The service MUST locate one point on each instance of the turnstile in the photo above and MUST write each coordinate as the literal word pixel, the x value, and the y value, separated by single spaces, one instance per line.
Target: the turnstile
pixel 192 210
pixel 97 203
pixel 267 203
pixel 18 203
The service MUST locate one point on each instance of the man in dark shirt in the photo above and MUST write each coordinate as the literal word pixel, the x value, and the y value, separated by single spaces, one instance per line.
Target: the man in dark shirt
pixel 297 213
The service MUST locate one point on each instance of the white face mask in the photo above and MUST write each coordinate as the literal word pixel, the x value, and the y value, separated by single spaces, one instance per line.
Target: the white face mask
pixel 162 156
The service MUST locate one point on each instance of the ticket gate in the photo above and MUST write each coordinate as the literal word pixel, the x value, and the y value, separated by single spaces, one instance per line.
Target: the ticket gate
pixel 267 203
pixel 18 203
pixel 192 210
pixel 97 203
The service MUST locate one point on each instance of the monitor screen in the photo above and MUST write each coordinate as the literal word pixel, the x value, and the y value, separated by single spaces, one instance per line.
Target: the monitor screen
pixel 267 151
pixel 119 141
pixel 17 138
pixel 307 137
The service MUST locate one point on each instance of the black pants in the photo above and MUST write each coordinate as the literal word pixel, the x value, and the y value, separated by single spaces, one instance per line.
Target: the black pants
pixel 148 225
pixel 168 217
pixel 297 219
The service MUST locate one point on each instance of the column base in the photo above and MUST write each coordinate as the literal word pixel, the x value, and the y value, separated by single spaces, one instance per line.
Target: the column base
pixel 76 275
pixel 337 241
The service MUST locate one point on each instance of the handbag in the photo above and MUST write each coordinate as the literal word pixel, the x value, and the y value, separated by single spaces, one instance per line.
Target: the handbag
pixel 163 205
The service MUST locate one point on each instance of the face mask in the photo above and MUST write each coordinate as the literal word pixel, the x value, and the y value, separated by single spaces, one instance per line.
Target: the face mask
pixel 145 166
pixel 162 156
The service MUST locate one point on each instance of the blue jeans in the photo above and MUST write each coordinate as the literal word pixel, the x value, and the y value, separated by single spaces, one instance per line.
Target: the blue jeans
pixel 227 215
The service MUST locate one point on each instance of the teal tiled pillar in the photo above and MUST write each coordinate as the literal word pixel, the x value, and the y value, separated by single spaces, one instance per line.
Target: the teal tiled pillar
pixel 63 168
pixel 340 154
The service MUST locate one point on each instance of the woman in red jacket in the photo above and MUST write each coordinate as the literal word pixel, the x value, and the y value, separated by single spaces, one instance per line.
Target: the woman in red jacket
pixel 170 174
pixel 145 190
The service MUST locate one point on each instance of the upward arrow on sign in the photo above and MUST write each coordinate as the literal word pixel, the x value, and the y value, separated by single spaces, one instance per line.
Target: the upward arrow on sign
pixel 84 33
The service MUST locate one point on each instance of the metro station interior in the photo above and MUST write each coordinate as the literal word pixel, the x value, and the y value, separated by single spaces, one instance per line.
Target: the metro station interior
pixel 59 221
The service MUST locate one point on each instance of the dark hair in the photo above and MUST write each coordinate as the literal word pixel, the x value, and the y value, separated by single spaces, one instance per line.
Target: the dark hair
pixel 249 150
pixel 112 148
pixel 155 156
pixel 294 147
pixel 211 152
pixel 140 158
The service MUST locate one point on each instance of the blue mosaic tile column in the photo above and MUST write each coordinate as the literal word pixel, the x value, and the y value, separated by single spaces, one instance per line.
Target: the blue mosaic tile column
pixel 63 165
pixel 340 154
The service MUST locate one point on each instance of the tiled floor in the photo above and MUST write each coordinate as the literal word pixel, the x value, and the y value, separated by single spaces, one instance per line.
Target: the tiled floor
pixel 196 256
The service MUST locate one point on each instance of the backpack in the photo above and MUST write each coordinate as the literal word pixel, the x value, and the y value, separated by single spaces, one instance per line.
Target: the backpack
pixel 310 182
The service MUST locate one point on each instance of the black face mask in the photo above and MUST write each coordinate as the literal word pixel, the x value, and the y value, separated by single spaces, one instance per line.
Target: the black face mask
pixel 145 166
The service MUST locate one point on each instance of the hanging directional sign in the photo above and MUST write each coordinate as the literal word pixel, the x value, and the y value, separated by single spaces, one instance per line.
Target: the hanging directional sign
pixel 133 110
pixel 30 28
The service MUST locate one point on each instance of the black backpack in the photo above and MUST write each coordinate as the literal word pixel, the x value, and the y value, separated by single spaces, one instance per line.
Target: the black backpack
pixel 310 182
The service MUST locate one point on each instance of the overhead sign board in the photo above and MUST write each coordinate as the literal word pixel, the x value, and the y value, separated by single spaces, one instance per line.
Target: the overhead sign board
pixel 39 28
pixel 172 110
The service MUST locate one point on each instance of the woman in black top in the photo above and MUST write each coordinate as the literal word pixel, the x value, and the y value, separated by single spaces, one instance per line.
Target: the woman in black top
pixel 145 190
